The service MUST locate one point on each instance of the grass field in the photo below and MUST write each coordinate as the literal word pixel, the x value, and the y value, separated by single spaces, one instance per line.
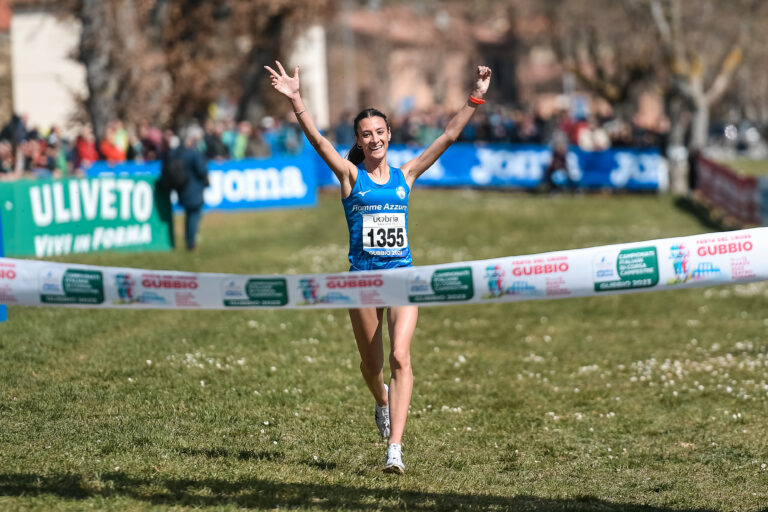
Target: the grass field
pixel 654 401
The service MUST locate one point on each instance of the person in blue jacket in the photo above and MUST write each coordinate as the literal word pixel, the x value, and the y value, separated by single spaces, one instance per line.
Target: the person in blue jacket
pixel 375 199
pixel 191 194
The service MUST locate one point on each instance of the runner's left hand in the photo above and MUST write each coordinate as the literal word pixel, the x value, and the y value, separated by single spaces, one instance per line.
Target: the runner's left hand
pixel 482 81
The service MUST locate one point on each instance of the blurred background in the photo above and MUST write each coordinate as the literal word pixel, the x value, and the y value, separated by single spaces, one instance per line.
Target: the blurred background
pixel 112 80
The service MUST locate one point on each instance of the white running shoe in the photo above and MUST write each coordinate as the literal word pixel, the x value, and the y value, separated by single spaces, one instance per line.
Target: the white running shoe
pixel 394 460
pixel 381 413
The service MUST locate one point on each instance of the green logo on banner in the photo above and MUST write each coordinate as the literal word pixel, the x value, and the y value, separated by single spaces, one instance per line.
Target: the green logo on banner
pixel 77 287
pixel 261 292
pixel 635 268
pixel 448 285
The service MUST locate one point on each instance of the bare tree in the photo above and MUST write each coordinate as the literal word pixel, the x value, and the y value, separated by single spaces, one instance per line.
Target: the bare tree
pixel 169 60
pixel 690 51
pixel 264 31
pixel 606 45
pixel 703 44
pixel 703 48
pixel 95 53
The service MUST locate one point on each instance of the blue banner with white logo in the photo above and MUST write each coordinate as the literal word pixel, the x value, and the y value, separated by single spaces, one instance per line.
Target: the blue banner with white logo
pixel 102 168
pixel 524 166
pixel 283 181
pixel 291 180
pixel 261 183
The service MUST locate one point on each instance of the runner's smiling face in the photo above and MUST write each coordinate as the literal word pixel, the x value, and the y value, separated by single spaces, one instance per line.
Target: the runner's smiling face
pixel 373 136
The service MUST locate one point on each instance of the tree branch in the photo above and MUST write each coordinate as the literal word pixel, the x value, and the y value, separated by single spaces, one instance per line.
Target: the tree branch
pixel 725 76
pixel 662 25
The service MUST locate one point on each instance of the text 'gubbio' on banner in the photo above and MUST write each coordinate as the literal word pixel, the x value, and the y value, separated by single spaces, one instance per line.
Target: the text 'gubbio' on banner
pixel 667 264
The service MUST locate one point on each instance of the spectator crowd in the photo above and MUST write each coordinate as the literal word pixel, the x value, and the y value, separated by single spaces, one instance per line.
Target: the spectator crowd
pixel 501 125
pixel 31 152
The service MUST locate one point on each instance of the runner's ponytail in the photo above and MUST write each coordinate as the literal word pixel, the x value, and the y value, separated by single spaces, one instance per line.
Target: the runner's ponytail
pixel 356 155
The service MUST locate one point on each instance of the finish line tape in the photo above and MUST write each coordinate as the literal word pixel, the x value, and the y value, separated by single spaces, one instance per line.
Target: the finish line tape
pixel 672 263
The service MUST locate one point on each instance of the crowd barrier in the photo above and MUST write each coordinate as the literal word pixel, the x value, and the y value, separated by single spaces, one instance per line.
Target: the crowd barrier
pixel 742 200
pixel 118 207
pixel 666 264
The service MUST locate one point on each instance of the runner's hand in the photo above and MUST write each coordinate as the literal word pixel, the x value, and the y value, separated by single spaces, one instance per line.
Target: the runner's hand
pixel 287 85
pixel 482 81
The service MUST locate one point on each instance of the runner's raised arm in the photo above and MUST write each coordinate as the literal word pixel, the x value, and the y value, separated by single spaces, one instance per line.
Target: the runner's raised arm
pixel 289 87
pixel 421 163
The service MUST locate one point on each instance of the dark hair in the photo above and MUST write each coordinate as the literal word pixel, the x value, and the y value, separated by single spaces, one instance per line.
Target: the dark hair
pixel 356 154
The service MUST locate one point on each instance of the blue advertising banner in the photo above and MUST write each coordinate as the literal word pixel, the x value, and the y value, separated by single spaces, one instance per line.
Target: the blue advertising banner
pixel 524 166
pixel 123 169
pixel 282 181
pixel 261 183
pixel 253 183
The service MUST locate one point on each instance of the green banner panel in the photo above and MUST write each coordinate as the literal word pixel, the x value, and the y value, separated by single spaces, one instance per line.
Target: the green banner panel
pixel 58 217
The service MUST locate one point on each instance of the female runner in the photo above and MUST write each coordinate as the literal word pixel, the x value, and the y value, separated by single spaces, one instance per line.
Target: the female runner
pixel 368 185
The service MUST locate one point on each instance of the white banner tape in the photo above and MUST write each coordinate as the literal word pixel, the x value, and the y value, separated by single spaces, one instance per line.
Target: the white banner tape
pixel 672 263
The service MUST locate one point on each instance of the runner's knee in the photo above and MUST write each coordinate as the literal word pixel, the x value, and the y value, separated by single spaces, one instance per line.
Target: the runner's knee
pixel 399 360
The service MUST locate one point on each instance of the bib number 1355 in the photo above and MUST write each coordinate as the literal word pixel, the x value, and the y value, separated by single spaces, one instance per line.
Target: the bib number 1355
pixel 383 232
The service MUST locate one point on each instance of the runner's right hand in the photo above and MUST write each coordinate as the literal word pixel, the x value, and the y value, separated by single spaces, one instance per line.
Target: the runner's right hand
pixel 287 85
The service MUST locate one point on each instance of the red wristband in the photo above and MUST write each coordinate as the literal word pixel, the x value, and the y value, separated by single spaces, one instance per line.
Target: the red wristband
pixel 476 101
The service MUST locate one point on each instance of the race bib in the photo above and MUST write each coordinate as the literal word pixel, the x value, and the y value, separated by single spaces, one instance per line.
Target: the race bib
pixel 384 234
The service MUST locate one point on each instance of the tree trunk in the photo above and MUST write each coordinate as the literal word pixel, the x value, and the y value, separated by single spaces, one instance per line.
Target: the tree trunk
pixel 264 47
pixel 94 54
pixel 676 151
pixel 700 126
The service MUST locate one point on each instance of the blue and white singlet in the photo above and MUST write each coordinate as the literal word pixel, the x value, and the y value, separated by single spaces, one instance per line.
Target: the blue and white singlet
pixel 377 218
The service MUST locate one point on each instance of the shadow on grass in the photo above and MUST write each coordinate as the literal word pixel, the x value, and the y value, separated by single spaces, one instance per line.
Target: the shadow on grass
pixel 701 213
pixel 257 493
pixel 216 453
